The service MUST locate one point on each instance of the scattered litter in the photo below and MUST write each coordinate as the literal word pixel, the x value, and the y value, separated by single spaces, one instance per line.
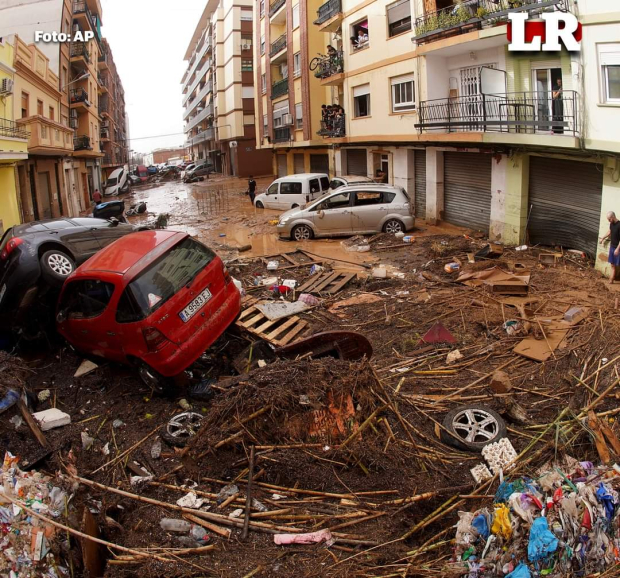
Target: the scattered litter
pixel 190 500
pixel 273 265
pixel 316 269
pixel 261 363
pixel 512 327
pixel 438 334
pixel 453 356
pixel 236 513
pixel 289 283
pixel 105 450
pixel 226 492
pixel 239 286
pixel 137 481
pixel 481 473
pixel 118 423
pixel 9 400
pixel 278 497
pixel 184 404
pixel 85 368
pixel 575 315
pixel 51 418
pixel 408 239
pixel 521 248
pixel 44 395
pixel 174 525
pixel 156 449
pixel 489 251
pixel 452 267
pixel 310 538
pixel 356 244
pixel 500 382
pixel 361 299
pixel 499 281
pixel 17 421
pixel 500 455
pixel 87 441
pixel 275 310
pixel 379 272
pixel 399 235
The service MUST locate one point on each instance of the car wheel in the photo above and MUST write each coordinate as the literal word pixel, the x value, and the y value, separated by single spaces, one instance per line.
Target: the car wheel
pixel 295 206
pixel 393 226
pixel 302 233
pixel 181 428
pixel 155 380
pixel 56 266
pixel 259 205
pixel 471 427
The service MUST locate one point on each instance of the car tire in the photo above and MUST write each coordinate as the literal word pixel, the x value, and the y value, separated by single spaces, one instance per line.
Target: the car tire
pixel 181 428
pixel 155 380
pixel 56 266
pixel 394 226
pixel 302 233
pixel 259 205
pixel 471 427
pixel 294 206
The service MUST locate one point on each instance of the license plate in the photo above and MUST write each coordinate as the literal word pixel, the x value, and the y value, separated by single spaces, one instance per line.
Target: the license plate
pixel 195 306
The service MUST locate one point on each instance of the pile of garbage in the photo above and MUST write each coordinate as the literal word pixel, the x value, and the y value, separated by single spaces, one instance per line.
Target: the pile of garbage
pixel 562 523
pixel 30 547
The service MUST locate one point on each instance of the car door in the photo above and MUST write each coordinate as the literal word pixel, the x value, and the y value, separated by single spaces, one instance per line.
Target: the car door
pixel 78 236
pixel 314 186
pixel 368 211
pixel 325 185
pixel 107 232
pixel 272 196
pixel 290 195
pixel 336 184
pixel 333 215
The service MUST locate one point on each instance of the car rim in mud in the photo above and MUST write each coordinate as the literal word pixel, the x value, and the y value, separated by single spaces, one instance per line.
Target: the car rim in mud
pixel 60 264
pixel 475 426
pixel 184 425
pixel 149 377
pixel 302 233
pixel 393 227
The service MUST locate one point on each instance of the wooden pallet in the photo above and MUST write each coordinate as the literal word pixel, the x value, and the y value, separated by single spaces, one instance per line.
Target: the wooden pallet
pixel 279 332
pixel 329 283
pixel 293 259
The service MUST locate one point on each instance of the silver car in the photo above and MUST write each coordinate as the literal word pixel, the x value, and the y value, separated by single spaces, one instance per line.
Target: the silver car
pixel 364 208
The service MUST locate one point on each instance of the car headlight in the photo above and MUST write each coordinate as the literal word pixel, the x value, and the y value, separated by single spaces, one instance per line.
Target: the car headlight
pixel 283 220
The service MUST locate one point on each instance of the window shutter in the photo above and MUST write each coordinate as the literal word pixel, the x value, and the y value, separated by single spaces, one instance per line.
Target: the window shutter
pixel 398 11
pixel 610 58
pixel 361 90
pixel 401 79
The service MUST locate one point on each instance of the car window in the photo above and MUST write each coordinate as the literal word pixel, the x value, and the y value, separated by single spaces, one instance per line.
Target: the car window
pixel 337 201
pixel 86 299
pixel 59 224
pixel 324 183
pixel 389 197
pixel 335 184
pixel 161 280
pixel 314 186
pixel 273 189
pixel 90 222
pixel 364 198
pixel 290 188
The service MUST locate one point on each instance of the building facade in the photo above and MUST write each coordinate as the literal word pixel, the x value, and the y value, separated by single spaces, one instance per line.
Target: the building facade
pixel 218 91
pixel 164 155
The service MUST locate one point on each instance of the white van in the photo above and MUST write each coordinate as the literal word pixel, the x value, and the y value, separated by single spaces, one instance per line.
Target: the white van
pixel 117 183
pixel 293 191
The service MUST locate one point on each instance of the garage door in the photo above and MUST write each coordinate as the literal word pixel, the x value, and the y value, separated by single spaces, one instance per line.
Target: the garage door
pixel 319 164
pixel 420 184
pixel 565 200
pixel 298 162
pixel 467 190
pixel 282 171
pixel 356 162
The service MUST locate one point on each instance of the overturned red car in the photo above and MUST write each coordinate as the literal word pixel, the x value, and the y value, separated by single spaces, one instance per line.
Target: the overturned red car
pixel 153 299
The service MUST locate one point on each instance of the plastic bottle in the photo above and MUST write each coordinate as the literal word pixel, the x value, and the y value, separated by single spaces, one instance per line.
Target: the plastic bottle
pixel 175 525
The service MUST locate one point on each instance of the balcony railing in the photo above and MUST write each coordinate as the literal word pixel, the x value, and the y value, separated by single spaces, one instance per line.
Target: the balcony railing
pixel 282 134
pixel 81 143
pixel 279 88
pixel 334 128
pixel 80 49
pixel 202 115
pixel 79 95
pixel 82 8
pixel 107 160
pixel 103 80
pixel 207 134
pixel 328 10
pixel 326 66
pixel 473 13
pixel 103 57
pixel 11 129
pixel 278 45
pixel 104 107
pixel 517 112
pixel 275 6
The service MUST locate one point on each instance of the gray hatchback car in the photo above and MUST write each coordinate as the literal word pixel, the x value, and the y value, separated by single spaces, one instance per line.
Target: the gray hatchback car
pixel 365 208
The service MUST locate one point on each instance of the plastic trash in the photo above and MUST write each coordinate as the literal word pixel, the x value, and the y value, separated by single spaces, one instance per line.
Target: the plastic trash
pixel 309 299
pixel 175 525
pixel 226 492
pixel 542 542
pixel 501 522
pixel 9 400
pixel 452 267
pixel 316 269
pixel 408 239
pixel 156 449
pixel 310 538
pixel 521 571
pixel 273 265
pixel 239 286
pixel 605 497
pixel 521 248
pixel 481 525
pixel 202 390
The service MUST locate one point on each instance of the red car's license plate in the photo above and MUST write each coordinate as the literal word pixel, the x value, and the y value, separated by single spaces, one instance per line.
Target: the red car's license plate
pixel 195 306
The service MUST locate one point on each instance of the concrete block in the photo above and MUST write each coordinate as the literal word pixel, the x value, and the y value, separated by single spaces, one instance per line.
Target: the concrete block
pixel 51 418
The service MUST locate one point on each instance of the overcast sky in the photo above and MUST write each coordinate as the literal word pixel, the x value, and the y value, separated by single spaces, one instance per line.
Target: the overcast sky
pixel 149 39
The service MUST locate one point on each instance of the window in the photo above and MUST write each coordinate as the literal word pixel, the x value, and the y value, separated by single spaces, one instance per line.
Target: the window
pixel 336 183
pixel 279 110
pixel 368 198
pixel 297 65
pixel 359 34
pixel 361 100
pixel 336 202
pixel 247 92
pixel 263 83
pixel 57 135
pixel 324 183
pixel 295 16
pixel 86 299
pixel 51 113
pixel 65 78
pixel 299 119
pixel 262 8
pixel 290 188
pixel 265 124
pixel 24 104
pixel 246 43
pixel 609 58
pixel 399 17
pixel 315 187
pixel 403 93
pixel 273 189
pixel 43 131
pixel 612 83
pixel 246 15
pixel 248 119
pixel 262 44
pixel 283 68
pixel 64 119
pixel 40 107
pixel 246 65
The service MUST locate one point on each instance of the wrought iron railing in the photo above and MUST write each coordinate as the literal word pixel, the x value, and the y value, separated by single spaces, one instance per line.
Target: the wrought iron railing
pixel 80 49
pixel 475 12
pixel 326 66
pixel 82 8
pixel 81 143
pixel 517 112
pixel 282 134
pixel 277 45
pixel 275 6
pixel 103 81
pixel 333 128
pixel 107 160
pixel 78 95
pixel 328 10
pixel 11 129
pixel 104 108
pixel 103 57
pixel 279 88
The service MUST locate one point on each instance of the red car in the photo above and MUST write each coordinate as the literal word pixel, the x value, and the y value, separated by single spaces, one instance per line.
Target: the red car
pixel 153 299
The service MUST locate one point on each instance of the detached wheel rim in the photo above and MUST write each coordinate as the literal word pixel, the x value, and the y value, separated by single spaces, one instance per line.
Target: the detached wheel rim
pixel 60 264
pixel 302 233
pixel 184 426
pixel 393 227
pixel 475 426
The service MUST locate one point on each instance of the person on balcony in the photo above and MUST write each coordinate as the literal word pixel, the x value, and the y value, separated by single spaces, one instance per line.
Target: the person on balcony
pixel 339 122
pixel 614 247
pixel 558 107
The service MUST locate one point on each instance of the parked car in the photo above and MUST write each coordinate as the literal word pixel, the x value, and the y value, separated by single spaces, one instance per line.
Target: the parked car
pixel 118 182
pixel 199 170
pixel 152 170
pixel 37 257
pixel 134 180
pixel 359 209
pixel 142 172
pixel 111 209
pixel 344 180
pixel 162 296
pixel 293 191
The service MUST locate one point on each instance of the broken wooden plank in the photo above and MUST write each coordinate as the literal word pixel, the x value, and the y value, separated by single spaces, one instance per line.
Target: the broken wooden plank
pixel 32 424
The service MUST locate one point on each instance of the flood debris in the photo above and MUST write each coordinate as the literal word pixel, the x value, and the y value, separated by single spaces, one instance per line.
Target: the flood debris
pixel 51 418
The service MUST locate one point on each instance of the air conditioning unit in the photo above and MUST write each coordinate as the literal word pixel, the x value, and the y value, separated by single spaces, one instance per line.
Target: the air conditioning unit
pixel 233 144
pixel 287 119
pixel 246 46
pixel 6 87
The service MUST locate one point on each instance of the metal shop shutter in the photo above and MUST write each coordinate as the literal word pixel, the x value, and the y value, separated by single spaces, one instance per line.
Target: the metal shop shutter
pixel 420 183
pixel 467 190
pixel 282 170
pixel 356 162
pixel 319 164
pixel 565 197
pixel 298 164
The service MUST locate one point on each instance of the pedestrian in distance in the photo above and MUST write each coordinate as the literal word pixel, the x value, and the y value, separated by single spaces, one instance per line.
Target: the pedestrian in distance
pixel 614 247
pixel 251 188
pixel 97 197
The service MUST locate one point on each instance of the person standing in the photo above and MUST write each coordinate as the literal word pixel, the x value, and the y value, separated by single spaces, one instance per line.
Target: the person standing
pixel 251 188
pixel 614 247
pixel 558 107
pixel 97 198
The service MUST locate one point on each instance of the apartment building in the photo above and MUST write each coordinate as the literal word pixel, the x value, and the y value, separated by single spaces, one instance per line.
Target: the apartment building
pixel 218 91
pixel 164 155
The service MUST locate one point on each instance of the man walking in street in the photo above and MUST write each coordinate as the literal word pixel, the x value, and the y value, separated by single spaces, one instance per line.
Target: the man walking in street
pixel 251 188
pixel 614 247
pixel 97 197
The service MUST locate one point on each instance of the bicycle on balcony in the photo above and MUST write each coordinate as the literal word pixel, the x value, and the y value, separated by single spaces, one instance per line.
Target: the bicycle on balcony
pixel 326 65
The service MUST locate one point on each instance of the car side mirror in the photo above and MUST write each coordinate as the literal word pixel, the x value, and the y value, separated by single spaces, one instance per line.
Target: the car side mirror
pixel 113 221
pixel 321 214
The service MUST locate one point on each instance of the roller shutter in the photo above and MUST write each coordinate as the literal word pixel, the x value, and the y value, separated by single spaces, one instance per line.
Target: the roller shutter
pixel 467 190
pixel 319 164
pixel 356 162
pixel 565 201
pixel 298 162
pixel 282 170
pixel 420 184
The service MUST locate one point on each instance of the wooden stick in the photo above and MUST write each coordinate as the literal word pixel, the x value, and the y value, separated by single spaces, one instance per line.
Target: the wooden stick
pixel 32 424
pixel 364 425
pixel 122 455
pixel 485 376
pixel 228 500
pixel 225 532
pixel 248 495
pixel 545 336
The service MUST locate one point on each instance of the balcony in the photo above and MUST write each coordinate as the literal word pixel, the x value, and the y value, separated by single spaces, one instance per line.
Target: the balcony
pixel 282 134
pixel 275 6
pixel 207 134
pixel 82 143
pixel 518 112
pixel 334 128
pixel 104 108
pixel 103 61
pixel 279 88
pixel 104 134
pixel 79 96
pixel 103 83
pixel 206 89
pixel 106 161
pixel 329 16
pixel 329 67
pixel 474 15
pixel 202 115
pixel 199 76
pixel 82 14
pixel 11 129
pixel 277 45
pixel 80 50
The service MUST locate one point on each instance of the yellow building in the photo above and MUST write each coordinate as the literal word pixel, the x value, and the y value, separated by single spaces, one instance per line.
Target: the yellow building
pixel 13 142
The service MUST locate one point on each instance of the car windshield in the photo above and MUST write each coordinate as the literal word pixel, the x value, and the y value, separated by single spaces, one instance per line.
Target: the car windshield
pixel 111 182
pixel 165 277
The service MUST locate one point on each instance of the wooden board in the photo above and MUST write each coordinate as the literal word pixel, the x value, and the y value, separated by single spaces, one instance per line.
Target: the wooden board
pixel 328 283
pixel 278 332
pixel 292 260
